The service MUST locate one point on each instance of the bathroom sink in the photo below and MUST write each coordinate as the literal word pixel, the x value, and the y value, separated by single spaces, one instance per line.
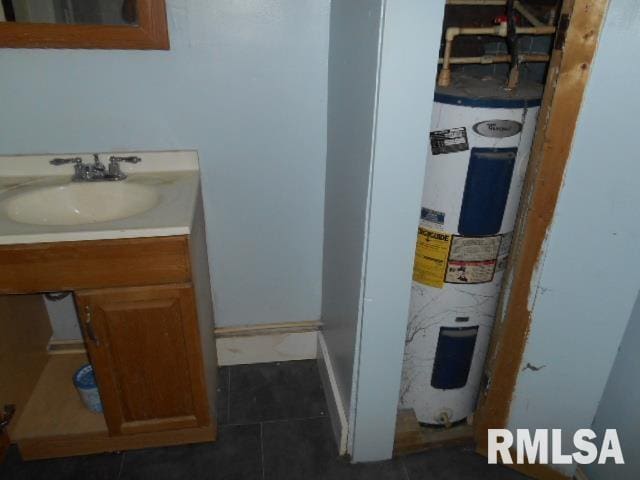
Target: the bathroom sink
pixel 81 203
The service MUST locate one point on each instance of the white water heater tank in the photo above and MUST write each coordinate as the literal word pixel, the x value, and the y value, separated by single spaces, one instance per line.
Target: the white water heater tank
pixel 481 135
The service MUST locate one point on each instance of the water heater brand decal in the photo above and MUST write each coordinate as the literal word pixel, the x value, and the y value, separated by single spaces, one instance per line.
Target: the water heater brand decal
pixel 498 128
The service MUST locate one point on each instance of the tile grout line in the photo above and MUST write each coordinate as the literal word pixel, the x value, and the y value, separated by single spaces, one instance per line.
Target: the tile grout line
pixel 229 396
pixel 121 466
pixel 262 450
pixel 275 420
pixel 404 469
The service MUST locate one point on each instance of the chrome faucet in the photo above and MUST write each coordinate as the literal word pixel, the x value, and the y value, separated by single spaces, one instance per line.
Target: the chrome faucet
pixel 96 171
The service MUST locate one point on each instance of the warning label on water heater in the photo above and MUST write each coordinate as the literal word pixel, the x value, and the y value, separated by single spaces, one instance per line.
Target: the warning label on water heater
pixel 475 249
pixel 449 141
pixel 472 259
pixel 470 272
pixel 432 251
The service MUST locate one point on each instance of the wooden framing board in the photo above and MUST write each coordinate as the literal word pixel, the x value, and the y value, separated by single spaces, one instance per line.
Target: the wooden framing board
pixel 569 71
pixel 411 437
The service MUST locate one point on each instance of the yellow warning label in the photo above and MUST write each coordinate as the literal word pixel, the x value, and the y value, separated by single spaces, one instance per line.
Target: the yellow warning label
pixel 432 251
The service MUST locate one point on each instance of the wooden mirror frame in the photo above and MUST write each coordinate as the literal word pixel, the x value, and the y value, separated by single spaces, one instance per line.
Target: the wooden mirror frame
pixel 150 33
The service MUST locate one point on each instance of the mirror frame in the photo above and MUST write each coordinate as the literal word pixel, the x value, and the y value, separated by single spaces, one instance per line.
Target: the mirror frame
pixel 149 34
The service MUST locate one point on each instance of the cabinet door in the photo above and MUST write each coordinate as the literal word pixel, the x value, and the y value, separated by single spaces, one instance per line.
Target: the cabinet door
pixel 144 345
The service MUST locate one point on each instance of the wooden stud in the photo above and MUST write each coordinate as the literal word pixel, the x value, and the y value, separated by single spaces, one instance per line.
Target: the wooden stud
pixel 569 71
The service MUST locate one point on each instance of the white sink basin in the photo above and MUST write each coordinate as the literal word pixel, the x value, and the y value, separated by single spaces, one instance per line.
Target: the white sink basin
pixel 81 203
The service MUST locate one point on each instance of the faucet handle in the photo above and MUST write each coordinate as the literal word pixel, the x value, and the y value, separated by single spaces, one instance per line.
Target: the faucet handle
pixel 114 166
pixel 131 159
pixel 62 161
pixel 97 164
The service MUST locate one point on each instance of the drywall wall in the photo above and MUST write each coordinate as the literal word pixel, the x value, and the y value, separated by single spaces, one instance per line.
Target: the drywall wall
pixel 244 84
pixel 64 319
pixel 407 69
pixel 382 64
pixel 589 278
pixel 619 406
pixel 352 84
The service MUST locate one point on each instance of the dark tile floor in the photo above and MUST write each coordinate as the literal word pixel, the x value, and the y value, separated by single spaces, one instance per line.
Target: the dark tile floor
pixel 273 426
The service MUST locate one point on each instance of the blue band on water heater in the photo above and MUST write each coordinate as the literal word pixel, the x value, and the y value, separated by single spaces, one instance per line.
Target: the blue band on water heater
pixel 454 354
pixel 486 190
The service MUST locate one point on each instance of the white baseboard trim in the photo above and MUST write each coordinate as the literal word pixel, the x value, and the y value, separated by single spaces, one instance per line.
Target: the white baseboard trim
pixel 278 342
pixel 337 412
pixel 267 343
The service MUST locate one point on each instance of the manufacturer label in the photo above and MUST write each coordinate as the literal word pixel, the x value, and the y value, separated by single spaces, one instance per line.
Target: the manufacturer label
pixel 498 128
pixel 449 141
pixel 432 251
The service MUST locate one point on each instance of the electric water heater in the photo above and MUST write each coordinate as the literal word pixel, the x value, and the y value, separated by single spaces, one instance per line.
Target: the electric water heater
pixel 481 134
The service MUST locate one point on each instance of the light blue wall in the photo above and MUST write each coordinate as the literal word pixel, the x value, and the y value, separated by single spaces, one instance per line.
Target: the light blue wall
pixel 353 71
pixel 245 84
pixel 619 407
pixel 589 279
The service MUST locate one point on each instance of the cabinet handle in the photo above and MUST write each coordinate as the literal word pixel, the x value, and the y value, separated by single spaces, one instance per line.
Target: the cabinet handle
pixel 90 331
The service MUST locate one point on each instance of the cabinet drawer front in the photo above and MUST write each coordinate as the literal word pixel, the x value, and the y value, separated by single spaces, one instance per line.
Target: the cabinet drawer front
pixel 93 264
pixel 145 347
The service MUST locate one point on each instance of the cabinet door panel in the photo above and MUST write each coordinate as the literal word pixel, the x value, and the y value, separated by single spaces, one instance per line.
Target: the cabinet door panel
pixel 145 348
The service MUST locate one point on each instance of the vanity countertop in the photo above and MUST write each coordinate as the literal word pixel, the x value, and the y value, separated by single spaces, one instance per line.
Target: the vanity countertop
pixel 174 175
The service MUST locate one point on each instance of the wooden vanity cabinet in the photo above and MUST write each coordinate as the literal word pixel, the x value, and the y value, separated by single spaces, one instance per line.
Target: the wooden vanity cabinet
pixel 144 345
pixel 146 314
